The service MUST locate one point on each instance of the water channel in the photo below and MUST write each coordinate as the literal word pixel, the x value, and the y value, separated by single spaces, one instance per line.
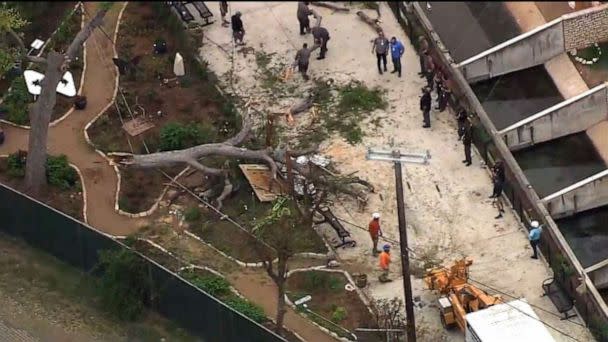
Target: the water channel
pixel 469 28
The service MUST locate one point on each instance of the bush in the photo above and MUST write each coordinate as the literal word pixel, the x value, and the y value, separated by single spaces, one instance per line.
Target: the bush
pixel 16 102
pixel 247 308
pixel 59 172
pixel 124 284
pixel 356 98
pixel 16 164
pixel 176 136
pixel 192 214
pixel 338 315
pixel 214 285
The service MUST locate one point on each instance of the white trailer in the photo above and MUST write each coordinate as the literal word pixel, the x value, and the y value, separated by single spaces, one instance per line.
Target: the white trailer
pixel 507 322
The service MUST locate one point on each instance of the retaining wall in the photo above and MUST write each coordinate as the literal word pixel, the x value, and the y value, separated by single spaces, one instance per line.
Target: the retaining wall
pixel 587 194
pixel 568 117
pixel 583 28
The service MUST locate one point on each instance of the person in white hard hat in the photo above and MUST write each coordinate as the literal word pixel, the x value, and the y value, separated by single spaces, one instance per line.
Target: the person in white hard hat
pixel 375 232
pixel 534 237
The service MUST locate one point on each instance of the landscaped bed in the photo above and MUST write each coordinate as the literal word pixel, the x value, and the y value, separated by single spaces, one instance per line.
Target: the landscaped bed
pixel 330 300
pixel 244 208
pixel 219 287
pixel 596 73
pixel 192 112
pixel 15 103
pixel 64 191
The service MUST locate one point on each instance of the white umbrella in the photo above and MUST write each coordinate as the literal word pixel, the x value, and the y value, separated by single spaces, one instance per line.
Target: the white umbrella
pixel 178 66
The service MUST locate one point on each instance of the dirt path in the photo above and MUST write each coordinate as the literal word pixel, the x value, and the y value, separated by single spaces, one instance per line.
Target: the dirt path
pixel 67 137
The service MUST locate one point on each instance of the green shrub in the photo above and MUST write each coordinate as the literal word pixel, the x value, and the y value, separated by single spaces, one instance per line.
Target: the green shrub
pixel 59 172
pixel 356 98
pixel 338 315
pixel 192 214
pixel 214 285
pixel 16 164
pixel 16 102
pixel 124 283
pixel 247 308
pixel 176 136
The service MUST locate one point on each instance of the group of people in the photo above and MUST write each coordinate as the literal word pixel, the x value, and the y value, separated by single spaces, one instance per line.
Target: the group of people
pixel 381 46
pixel 320 38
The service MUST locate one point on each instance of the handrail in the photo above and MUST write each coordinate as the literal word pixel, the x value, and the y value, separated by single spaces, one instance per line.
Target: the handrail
pixel 509 42
pixel 553 108
pixel 575 186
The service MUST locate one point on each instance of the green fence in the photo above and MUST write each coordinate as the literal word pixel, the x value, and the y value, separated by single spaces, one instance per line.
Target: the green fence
pixel 78 245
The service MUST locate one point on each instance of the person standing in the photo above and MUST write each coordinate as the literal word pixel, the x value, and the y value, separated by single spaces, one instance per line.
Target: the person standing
pixel 385 261
pixel 238 31
pixel 303 58
pixel 303 13
pixel 321 36
pixel 498 179
pixel 380 47
pixel 429 69
pixel 375 232
pixel 397 51
pixel 534 237
pixel 425 106
pixel 423 46
pixel 467 139
pixel 461 118
pixel 223 12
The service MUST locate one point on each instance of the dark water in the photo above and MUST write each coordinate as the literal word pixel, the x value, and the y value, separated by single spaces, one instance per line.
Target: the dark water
pixel 556 164
pixel 587 235
pixel 513 97
pixel 469 28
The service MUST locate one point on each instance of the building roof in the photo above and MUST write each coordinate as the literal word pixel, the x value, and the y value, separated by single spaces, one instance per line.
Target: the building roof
pixel 513 321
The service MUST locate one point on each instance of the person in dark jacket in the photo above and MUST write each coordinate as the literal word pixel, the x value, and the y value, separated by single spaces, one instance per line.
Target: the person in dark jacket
pixel 423 47
pixel 321 36
pixel 461 118
pixel 238 31
pixel 302 59
pixel 467 139
pixel 429 69
pixel 498 179
pixel 425 106
pixel 303 13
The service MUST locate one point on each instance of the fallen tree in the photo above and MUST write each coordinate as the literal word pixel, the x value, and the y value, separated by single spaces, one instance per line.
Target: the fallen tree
pixel 374 23
pixel 330 6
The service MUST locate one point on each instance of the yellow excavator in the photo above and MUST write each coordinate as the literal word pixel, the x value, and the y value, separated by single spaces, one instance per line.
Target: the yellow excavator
pixel 458 296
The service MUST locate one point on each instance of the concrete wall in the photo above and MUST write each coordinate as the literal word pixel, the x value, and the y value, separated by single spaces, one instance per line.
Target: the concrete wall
pixel 583 28
pixel 524 51
pixel 587 194
pixel 568 117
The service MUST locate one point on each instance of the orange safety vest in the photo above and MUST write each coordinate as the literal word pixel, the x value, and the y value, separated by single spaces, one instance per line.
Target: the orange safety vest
pixel 385 259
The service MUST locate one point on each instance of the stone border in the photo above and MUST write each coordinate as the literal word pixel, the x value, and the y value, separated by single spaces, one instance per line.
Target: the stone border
pixel 350 280
pixel 84 190
pixel 252 264
pixel 84 69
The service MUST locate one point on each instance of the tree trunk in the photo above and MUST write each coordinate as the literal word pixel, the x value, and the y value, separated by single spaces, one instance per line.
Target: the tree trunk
pixel 40 117
pixel 281 279
pixel 41 111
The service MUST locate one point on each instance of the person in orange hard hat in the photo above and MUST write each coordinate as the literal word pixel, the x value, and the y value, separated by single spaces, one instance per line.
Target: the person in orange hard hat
pixel 385 260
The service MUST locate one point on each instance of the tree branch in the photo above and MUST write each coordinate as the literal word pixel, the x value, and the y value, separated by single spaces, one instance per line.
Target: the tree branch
pixel 18 40
pixel 84 34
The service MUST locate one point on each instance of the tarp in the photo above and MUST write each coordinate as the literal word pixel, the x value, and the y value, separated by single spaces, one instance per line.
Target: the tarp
pixel 178 65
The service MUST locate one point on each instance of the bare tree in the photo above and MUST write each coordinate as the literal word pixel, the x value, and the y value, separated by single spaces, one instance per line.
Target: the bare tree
pixel 389 315
pixel 40 112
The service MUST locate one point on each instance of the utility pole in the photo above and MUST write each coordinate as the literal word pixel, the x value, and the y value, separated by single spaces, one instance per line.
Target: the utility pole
pixel 397 158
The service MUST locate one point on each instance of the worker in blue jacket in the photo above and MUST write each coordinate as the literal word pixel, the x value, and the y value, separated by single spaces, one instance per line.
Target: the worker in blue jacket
pixel 397 51
pixel 534 237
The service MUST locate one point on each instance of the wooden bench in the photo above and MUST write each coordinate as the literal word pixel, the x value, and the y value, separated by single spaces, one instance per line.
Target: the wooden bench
pixel 184 13
pixel 203 11
pixel 558 297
